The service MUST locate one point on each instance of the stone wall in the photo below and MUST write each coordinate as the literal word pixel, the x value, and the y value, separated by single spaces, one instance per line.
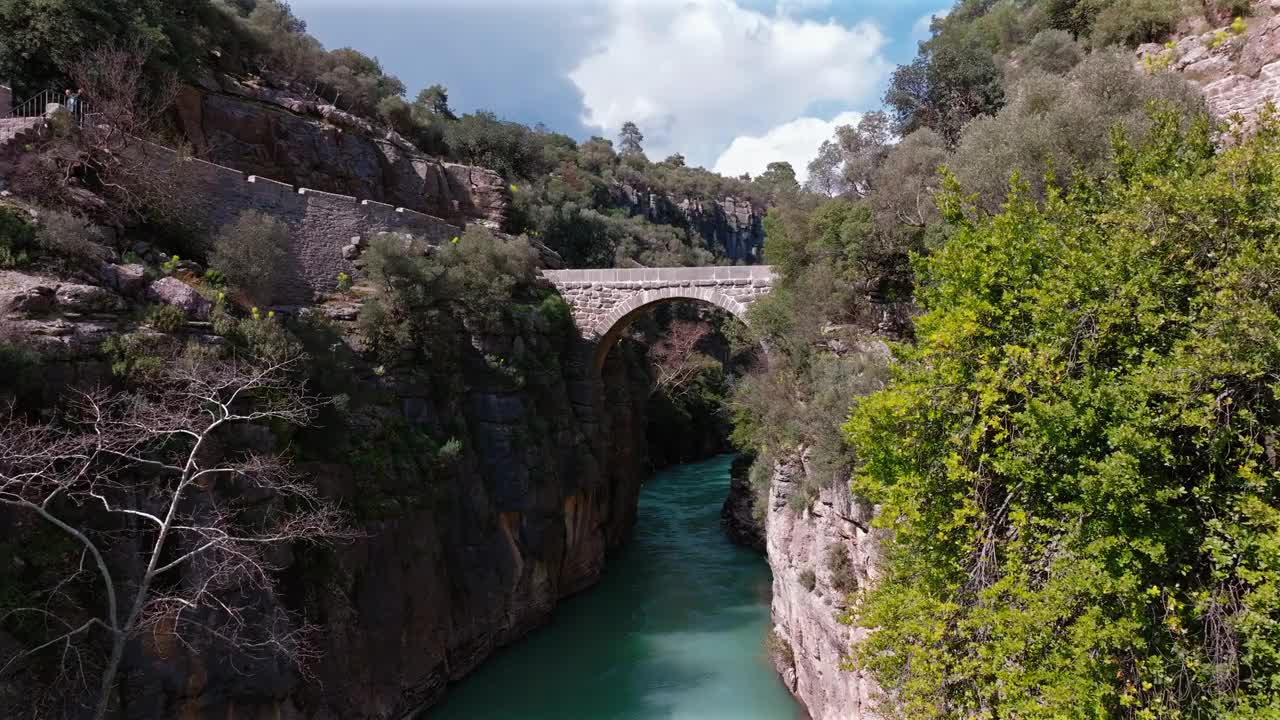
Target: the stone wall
pixel 322 225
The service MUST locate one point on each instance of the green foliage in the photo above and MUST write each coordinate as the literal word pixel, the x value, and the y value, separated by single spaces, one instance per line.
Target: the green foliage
pixel 808 579
pixel 251 254
pixel 1052 51
pixel 422 291
pixel 166 318
pixel 482 139
pixel 451 450
pixel 170 265
pixel 840 568
pixel 42 39
pixel 1077 457
pixel 1061 125
pixel 951 82
pixel 556 312
pixel 72 239
pixel 136 357
pixel 16 236
pixel 1133 22
pixel 344 282
pixel 779 649
pixel 215 279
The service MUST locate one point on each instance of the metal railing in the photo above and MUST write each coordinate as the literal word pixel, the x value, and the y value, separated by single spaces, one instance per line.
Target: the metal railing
pixel 38 106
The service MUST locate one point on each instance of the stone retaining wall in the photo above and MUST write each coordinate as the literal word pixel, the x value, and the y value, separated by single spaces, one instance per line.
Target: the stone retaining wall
pixel 322 225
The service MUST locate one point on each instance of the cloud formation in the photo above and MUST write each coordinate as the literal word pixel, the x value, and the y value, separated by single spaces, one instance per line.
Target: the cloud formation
pixel 693 74
pixel 796 142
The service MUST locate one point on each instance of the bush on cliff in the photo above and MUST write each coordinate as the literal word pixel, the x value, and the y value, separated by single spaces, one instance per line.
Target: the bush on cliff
pixel 251 254
pixel 422 290
pixel 1078 458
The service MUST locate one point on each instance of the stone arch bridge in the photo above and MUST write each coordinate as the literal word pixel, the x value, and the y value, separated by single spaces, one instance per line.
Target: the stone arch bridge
pixel 605 301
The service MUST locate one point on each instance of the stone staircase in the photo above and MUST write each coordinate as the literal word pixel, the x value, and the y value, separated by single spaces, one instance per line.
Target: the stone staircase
pixel 17 130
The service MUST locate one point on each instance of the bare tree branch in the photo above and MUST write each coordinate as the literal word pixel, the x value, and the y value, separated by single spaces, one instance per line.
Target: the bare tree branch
pixel 148 459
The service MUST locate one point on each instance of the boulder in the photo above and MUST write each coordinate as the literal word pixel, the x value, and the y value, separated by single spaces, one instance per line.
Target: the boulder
pixel 36 300
pixel 128 280
pixel 76 298
pixel 172 291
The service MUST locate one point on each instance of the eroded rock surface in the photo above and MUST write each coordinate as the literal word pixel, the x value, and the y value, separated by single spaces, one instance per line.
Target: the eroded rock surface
pixel 806 607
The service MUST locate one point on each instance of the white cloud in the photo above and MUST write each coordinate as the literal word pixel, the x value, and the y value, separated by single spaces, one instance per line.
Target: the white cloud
pixel 694 74
pixel 920 30
pixel 786 7
pixel 796 142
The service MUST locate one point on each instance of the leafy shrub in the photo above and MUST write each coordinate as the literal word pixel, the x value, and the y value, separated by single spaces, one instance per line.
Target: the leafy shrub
pixel 1074 462
pixel 840 568
pixel 72 238
pixel 1052 51
pixel 451 450
pixel 344 282
pixel 136 357
pixel 421 290
pixel 166 318
pixel 1133 22
pixel 779 649
pixel 1063 125
pixel 556 312
pixel 808 579
pixel 16 235
pixel 252 253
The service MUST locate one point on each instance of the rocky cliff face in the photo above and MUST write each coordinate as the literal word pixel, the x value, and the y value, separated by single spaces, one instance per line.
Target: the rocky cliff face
pixel 732 225
pixel 260 130
pixel 810 591
pixel 737 515
pixel 1238 71
pixel 461 553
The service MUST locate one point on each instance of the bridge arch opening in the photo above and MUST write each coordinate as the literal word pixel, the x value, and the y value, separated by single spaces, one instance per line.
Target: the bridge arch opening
pixel 614 324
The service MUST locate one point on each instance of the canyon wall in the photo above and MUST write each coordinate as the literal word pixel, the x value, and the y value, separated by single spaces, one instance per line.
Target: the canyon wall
pixel 810 592
pixel 460 552
pixel 735 226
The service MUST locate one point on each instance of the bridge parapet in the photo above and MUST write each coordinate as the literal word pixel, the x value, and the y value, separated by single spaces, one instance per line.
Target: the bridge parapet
pixel 604 301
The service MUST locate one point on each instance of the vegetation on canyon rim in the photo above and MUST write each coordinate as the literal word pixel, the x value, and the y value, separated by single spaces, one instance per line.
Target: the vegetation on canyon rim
pixel 1073 453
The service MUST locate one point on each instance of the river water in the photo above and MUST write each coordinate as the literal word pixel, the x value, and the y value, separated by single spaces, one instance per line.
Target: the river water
pixel 674 631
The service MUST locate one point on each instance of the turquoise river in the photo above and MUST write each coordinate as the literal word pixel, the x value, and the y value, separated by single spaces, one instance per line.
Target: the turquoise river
pixel 674 631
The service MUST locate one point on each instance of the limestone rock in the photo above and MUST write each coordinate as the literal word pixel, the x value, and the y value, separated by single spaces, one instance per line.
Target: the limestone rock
pixel 76 298
pixel 172 291
pixel 266 132
pixel 36 300
pixel 805 607
pixel 128 280
pixel 737 515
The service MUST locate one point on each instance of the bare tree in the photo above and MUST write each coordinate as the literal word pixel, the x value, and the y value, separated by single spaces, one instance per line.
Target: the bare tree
pixel 676 360
pixel 151 474
pixel 111 142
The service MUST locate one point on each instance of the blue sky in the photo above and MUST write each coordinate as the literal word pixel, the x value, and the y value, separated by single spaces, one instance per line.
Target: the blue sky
pixel 731 84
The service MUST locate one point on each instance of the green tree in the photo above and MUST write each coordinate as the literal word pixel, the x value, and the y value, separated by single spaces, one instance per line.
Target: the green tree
pixel 630 140
pixel 433 102
pixel 944 88
pixel 779 178
pixel 1077 459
